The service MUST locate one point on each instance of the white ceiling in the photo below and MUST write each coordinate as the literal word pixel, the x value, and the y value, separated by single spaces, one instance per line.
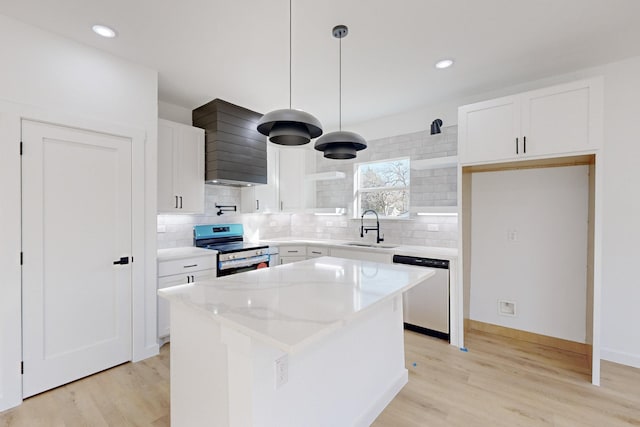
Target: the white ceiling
pixel 238 50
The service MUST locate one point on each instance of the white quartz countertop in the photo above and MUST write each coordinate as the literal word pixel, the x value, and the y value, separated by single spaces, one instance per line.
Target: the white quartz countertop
pixel 293 305
pixel 183 252
pixel 419 251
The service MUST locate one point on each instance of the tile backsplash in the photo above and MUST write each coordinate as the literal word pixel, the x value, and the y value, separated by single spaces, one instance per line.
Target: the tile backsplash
pixel 430 187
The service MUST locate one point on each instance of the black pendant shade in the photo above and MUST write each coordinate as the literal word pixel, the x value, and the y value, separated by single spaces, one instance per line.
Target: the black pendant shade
pixel 289 127
pixel 340 145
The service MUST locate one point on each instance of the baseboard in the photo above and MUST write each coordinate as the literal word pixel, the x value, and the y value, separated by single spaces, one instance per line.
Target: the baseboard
pixel 620 357
pixel 559 343
pixel 376 408
pixel 147 352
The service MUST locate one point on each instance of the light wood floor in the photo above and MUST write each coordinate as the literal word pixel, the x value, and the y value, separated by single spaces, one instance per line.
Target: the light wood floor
pixel 499 382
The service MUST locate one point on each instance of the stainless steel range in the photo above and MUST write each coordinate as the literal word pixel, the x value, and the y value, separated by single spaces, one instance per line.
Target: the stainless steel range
pixel 234 254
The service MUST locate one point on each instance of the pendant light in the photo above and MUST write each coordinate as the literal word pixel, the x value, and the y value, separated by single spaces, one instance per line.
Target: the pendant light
pixel 340 145
pixel 289 126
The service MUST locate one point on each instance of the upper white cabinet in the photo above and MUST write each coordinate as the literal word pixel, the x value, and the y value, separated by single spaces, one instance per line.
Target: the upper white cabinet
pixel 180 168
pixel 547 122
pixel 296 192
pixel 263 198
pixel 286 189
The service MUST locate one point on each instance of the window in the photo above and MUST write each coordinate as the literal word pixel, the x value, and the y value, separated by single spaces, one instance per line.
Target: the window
pixel 383 187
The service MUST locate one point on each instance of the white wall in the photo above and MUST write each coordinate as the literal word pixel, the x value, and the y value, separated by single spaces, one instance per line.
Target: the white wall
pixel 174 112
pixel 620 336
pixel 620 339
pixel 48 77
pixel 529 246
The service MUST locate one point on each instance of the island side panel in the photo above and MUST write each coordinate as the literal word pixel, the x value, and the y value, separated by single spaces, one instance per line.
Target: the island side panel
pixel 346 378
pixel 199 394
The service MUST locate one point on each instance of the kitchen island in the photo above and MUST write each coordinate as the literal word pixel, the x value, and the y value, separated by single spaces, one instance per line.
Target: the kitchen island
pixel 313 343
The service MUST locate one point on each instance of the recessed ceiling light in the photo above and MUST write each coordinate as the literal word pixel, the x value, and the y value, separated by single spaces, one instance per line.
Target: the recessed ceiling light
pixel 445 63
pixel 104 31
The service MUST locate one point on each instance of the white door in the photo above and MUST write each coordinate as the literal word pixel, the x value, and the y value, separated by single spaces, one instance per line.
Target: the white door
pixel 76 207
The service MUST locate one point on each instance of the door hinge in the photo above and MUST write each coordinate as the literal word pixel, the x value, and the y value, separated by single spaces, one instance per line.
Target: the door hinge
pixel 22 368
pixel 21 258
pixel 21 148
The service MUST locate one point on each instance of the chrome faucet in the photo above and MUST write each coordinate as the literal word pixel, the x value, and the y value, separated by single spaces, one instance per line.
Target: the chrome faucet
pixel 364 229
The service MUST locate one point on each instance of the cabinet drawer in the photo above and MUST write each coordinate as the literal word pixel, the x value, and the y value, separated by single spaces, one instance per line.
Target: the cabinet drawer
pixel 293 251
pixel 290 259
pixel 186 265
pixel 316 251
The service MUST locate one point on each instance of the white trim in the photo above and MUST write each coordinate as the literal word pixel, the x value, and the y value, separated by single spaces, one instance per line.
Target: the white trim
pixel 10 290
pixel 620 357
pixel 377 406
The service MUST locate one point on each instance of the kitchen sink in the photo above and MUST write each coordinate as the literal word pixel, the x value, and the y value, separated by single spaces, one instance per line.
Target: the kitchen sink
pixel 370 245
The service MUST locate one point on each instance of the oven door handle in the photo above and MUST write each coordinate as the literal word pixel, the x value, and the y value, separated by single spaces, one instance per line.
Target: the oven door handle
pixel 243 262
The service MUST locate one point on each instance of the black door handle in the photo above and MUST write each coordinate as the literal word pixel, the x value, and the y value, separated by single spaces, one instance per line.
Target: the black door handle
pixel 122 261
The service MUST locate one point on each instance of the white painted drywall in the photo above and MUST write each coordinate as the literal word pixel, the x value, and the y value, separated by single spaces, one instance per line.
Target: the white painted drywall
pixel 44 75
pixel 620 336
pixel 529 245
pixel 175 113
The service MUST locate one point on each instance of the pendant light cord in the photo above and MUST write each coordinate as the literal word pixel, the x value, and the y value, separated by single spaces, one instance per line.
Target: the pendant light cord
pixel 340 88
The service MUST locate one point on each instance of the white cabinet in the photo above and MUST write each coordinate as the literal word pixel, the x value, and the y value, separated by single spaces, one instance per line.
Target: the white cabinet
pixel 263 198
pixel 291 253
pixel 179 272
pixel 317 251
pixel 286 189
pixel 549 122
pixel 180 168
pixel 296 192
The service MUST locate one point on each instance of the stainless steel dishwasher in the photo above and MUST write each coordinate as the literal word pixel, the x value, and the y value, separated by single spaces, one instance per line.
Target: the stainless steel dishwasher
pixel 426 305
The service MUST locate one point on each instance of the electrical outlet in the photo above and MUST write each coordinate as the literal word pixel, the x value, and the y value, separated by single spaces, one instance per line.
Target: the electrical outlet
pixel 512 235
pixel 433 227
pixel 282 371
pixel 506 308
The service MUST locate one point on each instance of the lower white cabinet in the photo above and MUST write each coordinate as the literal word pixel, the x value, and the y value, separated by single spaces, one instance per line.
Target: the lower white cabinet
pixel 180 272
pixel 290 259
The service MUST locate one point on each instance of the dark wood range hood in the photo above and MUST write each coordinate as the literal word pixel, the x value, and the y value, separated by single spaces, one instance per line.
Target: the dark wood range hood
pixel 235 152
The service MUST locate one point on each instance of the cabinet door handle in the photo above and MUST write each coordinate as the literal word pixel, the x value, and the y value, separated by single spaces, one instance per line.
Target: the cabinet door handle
pixel 176 202
pixel 316 252
pixel 293 252
pixel 257 204
pixel 193 279
pixel 188 279
pixel 190 265
pixel 524 143
pixel 180 202
pixel 516 145
pixel 281 206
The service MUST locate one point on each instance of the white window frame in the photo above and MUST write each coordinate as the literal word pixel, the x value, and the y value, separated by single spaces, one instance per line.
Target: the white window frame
pixel 357 210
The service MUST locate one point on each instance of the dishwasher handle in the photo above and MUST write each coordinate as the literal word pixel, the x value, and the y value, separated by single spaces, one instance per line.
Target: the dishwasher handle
pixel 421 262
